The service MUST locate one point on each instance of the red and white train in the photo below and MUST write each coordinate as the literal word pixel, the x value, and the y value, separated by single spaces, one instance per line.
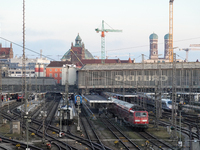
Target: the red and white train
pixel 132 114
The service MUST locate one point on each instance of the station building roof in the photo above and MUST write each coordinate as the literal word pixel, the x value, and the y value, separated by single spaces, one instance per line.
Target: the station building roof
pixel 138 66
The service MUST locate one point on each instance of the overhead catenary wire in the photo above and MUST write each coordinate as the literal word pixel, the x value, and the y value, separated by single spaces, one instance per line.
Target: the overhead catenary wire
pixel 92 52
pixel 140 46
pixel 27 48
pixel 122 82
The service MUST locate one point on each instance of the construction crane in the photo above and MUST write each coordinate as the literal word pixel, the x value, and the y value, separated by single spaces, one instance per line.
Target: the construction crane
pixel 171 31
pixel 194 45
pixel 103 39
pixel 187 50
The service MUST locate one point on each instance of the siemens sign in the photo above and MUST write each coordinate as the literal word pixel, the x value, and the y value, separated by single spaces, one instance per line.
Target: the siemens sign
pixel 139 78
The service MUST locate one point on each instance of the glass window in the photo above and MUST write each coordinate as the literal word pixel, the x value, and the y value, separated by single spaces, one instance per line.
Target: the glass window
pixel 50 69
pixel 50 75
pixel 169 102
pixel 60 74
pixel 137 114
pixel 143 114
pixel 55 69
pixel 56 75
pixel 140 114
pixel 18 72
pixel 60 69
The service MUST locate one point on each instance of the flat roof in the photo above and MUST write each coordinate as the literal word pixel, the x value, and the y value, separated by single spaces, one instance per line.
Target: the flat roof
pixel 138 66
pixel 96 99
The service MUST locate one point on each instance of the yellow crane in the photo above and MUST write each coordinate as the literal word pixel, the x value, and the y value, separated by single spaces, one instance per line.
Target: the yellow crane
pixel 171 51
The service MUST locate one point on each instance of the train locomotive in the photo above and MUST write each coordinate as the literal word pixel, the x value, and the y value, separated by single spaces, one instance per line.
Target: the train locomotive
pixel 67 113
pixel 132 114
pixel 150 101
pixel 77 97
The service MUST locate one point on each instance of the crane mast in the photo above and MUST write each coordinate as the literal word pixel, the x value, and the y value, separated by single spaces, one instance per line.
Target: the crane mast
pixel 171 30
pixel 103 39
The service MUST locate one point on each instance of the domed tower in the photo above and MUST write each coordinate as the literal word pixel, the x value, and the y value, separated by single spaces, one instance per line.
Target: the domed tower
pixel 78 51
pixel 153 53
pixel 78 41
pixel 166 52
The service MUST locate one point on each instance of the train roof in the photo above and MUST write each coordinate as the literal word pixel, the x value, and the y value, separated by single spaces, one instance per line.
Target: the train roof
pixel 126 94
pixel 166 99
pixel 124 104
pixel 187 93
pixel 65 106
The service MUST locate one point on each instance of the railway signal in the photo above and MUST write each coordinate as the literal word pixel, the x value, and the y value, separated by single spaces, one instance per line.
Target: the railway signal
pixel 180 106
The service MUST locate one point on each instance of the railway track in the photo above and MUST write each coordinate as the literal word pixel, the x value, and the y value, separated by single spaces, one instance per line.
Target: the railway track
pixel 162 145
pixel 120 136
pixel 90 132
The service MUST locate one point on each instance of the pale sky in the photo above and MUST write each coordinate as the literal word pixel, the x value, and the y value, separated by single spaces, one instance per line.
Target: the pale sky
pixel 51 25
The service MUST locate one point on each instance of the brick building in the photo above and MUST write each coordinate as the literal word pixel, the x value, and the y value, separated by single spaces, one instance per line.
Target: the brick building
pixel 6 52
pixel 79 52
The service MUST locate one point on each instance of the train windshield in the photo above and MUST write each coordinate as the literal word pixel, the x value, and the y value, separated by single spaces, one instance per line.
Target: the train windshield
pixel 169 102
pixel 140 114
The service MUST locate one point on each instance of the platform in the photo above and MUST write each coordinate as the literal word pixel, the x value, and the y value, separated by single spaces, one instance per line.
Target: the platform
pixel 96 100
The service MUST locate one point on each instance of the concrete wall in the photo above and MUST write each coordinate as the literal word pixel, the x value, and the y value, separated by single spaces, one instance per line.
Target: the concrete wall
pixel 32 81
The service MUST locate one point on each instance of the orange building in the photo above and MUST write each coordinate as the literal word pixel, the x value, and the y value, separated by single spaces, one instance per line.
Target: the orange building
pixel 54 69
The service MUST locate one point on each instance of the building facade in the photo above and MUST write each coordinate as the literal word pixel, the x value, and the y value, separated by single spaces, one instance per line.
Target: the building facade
pixel 6 52
pixel 34 67
pixel 54 69
pixel 129 76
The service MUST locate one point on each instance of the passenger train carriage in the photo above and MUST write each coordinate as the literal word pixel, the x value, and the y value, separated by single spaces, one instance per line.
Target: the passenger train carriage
pixel 149 99
pixel 131 114
pixel 67 113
